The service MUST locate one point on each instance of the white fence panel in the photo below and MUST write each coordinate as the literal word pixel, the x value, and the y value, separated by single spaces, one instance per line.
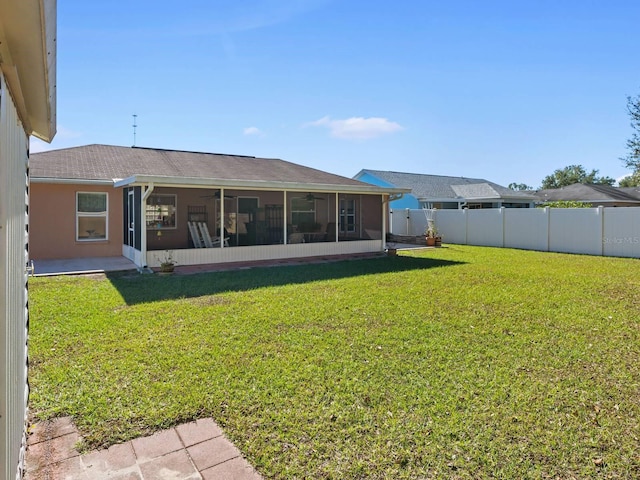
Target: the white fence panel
pixel 418 221
pixel 399 221
pixel 485 227
pixel 405 221
pixel 590 231
pixel 526 228
pixel 622 232
pixel 452 225
pixel 576 230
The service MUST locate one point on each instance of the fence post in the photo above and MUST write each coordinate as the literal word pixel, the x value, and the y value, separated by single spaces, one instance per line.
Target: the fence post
pixel 601 215
pixel 548 212
pixel 502 217
pixel 466 226
pixel 408 213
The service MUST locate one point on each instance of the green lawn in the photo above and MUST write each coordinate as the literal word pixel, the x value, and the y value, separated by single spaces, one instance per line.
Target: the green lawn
pixel 464 362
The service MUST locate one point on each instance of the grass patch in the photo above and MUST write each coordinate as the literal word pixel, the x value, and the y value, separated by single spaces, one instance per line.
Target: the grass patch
pixel 465 362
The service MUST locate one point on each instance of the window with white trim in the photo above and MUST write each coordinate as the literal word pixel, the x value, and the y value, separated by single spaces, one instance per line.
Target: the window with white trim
pixel 91 216
pixel 161 211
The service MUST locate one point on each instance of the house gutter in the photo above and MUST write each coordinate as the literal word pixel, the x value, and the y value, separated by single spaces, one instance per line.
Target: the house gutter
pixel 71 181
pixel 192 182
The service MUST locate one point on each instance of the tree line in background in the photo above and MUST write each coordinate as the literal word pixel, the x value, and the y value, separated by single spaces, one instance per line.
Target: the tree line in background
pixel 577 174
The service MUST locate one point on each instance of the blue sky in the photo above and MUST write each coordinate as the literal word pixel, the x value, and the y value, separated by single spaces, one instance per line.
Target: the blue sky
pixel 503 90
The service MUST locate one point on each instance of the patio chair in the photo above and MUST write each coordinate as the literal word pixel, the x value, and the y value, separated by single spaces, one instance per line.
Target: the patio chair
pixel 208 241
pixel 195 235
pixel 296 238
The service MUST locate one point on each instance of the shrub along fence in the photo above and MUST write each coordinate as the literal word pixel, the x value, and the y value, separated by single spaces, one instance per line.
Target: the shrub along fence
pixel 613 232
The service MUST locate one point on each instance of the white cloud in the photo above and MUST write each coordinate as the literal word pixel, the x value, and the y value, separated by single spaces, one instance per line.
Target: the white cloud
pixel 64 138
pixel 357 128
pixel 619 179
pixel 36 145
pixel 255 131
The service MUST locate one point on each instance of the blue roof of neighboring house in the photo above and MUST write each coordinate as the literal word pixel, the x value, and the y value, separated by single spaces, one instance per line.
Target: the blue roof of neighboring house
pixel 444 187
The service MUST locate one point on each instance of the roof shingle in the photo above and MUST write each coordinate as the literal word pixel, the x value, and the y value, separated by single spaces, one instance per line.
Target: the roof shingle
pixel 108 162
pixel 441 186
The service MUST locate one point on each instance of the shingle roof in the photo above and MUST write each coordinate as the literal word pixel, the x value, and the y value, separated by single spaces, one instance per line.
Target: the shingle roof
pixel 590 193
pixel 441 187
pixel 107 162
pixel 633 191
pixel 475 190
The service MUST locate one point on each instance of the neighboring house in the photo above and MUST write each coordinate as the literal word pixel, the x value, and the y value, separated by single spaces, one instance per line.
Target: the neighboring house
pixel 443 192
pixel 27 107
pixel 102 200
pixel 596 195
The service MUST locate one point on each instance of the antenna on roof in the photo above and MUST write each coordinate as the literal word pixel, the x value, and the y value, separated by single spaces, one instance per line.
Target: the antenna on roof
pixel 134 128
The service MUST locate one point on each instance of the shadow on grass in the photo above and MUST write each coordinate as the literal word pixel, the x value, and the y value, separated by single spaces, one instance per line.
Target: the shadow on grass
pixel 150 288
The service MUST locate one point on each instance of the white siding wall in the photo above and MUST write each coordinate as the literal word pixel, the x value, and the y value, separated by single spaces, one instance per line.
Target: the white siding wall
pixel 13 287
pixel 592 231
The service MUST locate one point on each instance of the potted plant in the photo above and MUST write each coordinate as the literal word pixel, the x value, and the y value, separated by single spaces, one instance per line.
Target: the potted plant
pixel 392 251
pixel 167 263
pixel 434 239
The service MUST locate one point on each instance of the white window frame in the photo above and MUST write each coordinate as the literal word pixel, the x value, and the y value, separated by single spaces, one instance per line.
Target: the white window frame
pixel 151 206
pixel 104 215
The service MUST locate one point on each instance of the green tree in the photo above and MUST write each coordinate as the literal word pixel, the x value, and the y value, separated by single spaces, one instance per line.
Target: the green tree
pixel 565 204
pixel 632 160
pixel 574 174
pixel 631 180
pixel 520 186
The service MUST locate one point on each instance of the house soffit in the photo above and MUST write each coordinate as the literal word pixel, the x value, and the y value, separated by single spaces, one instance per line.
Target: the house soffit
pixel 28 61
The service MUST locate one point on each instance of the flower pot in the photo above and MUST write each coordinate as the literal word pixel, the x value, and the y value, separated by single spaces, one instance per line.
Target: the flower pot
pixel 392 252
pixel 434 241
pixel 167 267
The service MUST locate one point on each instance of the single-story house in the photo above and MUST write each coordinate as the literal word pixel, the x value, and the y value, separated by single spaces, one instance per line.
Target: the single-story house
pixel 444 192
pixel 27 107
pixel 103 200
pixel 596 195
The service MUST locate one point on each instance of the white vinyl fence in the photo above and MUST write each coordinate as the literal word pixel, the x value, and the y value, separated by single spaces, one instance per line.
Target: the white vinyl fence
pixel 613 232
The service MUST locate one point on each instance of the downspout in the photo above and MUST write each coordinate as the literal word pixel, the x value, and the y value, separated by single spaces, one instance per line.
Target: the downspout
pixel 285 220
pixel 143 225
pixel 385 203
pixel 337 215
pixel 360 216
pixel 221 226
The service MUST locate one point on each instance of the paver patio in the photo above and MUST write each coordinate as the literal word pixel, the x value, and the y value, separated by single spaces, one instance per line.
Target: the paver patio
pixel 191 451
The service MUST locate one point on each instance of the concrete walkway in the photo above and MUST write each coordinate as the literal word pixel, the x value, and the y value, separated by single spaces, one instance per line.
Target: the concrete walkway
pixel 75 266
pixel 191 451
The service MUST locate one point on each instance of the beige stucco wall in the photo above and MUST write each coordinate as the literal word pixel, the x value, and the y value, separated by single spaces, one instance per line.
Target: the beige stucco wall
pixel 52 223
